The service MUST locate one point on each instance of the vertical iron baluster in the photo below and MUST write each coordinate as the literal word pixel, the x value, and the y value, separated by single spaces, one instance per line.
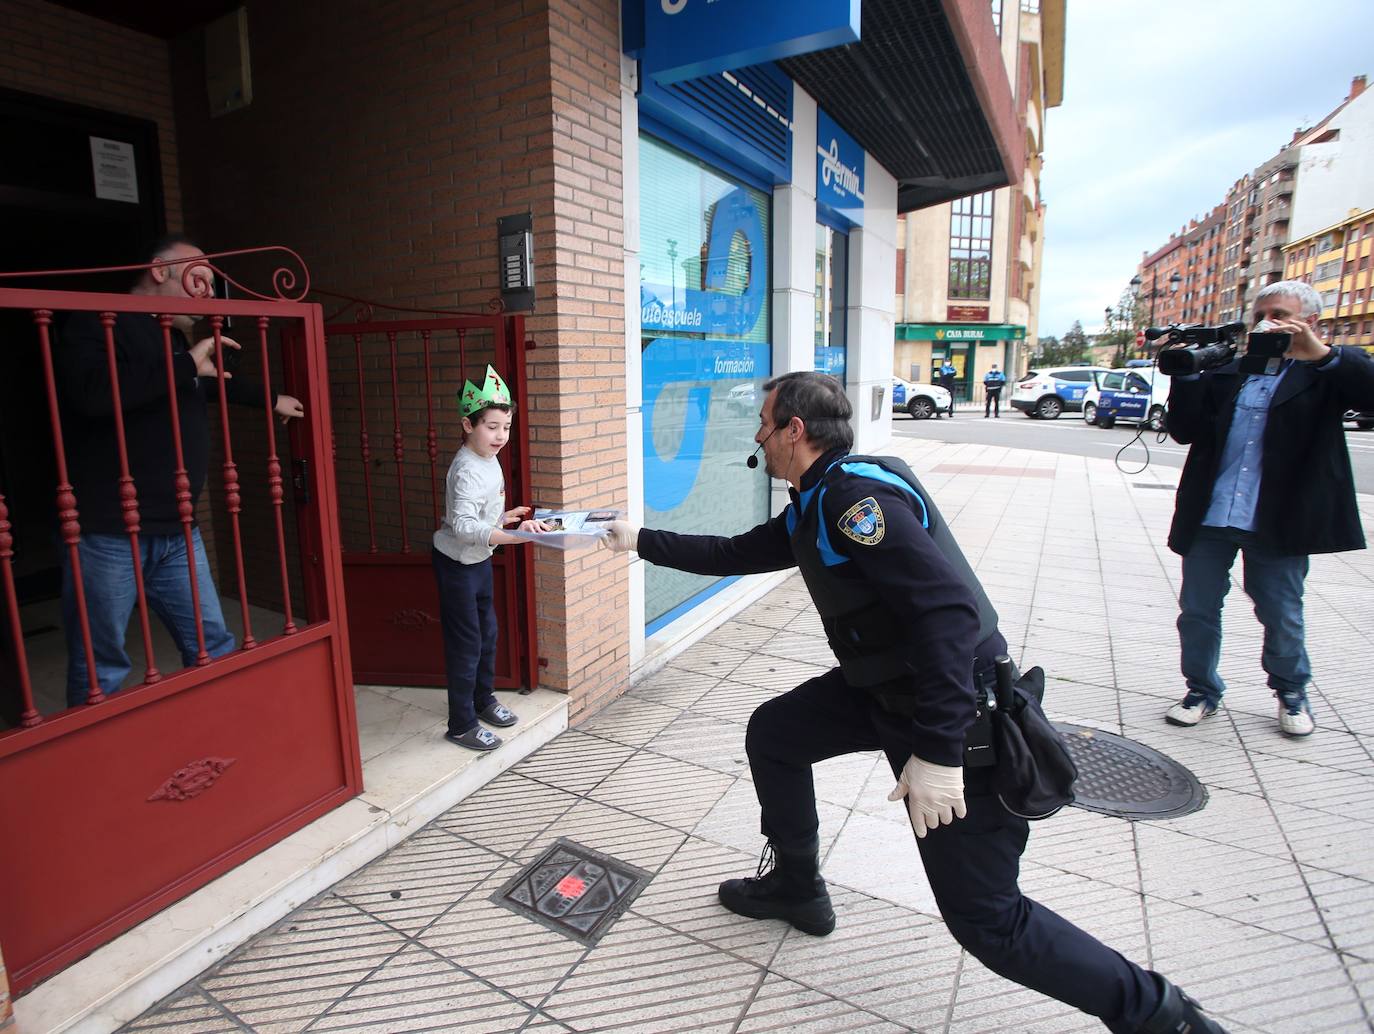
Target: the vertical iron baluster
pixel 274 485
pixel 231 481
pixel 462 357
pixel 431 437
pixel 398 444
pixel 128 500
pixel 185 511
pixel 362 443
pixel 67 516
pixel 29 717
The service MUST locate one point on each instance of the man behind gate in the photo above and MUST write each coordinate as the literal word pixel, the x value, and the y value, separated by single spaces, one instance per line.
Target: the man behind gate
pixel 912 630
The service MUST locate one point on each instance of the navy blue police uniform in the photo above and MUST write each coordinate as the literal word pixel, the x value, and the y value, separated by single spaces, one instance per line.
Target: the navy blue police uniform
pixel 912 631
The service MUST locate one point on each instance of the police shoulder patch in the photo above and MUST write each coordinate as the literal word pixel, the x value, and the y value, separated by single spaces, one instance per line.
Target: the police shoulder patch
pixel 863 522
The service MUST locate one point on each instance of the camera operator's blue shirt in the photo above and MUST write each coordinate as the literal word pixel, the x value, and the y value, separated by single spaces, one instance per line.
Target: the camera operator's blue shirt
pixel 1235 493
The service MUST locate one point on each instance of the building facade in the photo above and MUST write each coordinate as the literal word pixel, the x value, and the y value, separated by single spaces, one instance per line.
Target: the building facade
pixel 968 272
pixel 1181 282
pixel 708 208
pixel 1335 260
pixel 1333 170
pixel 1223 259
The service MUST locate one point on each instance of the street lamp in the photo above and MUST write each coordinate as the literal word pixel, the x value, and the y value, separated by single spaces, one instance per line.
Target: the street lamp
pixel 1154 291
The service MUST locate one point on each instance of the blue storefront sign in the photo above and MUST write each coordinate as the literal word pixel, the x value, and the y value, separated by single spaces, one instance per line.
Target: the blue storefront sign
pixel 684 39
pixel 839 171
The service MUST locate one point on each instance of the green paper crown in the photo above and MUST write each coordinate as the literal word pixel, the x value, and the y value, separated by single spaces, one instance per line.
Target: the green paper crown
pixel 494 393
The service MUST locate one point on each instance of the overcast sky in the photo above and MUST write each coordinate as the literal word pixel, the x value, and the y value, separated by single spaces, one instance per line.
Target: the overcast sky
pixel 1166 104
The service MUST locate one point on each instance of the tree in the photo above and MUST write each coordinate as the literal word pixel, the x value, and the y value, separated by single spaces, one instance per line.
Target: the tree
pixel 1128 316
pixel 1072 349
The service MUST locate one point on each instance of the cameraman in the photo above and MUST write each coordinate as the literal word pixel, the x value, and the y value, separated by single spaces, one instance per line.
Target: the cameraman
pixel 1268 475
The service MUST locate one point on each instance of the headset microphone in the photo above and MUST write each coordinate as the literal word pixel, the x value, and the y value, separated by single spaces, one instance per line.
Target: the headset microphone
pixel 753 461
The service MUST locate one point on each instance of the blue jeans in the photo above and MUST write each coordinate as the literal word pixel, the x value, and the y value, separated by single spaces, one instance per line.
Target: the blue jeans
pixel 1274 584
pixel 107 574
pixel 468 617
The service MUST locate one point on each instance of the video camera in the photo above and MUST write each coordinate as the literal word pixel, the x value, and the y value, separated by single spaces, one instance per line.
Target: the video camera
pixel 1192 348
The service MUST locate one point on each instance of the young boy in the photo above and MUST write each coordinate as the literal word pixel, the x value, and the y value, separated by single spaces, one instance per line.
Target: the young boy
pixel 474 514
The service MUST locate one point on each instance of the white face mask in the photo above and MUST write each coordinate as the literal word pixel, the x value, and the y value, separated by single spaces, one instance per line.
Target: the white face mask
pixel 1265 326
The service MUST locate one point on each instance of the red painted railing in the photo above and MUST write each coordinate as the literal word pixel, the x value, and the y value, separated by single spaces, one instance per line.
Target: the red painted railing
pixel 44 310
pixel 195 768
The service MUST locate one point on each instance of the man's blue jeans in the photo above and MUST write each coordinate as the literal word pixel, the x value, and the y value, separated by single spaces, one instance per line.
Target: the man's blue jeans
pixel 107 574
pixel 1272 581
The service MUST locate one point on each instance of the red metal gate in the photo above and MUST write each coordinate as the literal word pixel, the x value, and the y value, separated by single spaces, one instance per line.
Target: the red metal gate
pixel 114 809
pixel 393 394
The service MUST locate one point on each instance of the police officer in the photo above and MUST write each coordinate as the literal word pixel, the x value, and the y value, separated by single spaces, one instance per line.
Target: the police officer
pixel 948 376
pixel 912 630
pixel 993 383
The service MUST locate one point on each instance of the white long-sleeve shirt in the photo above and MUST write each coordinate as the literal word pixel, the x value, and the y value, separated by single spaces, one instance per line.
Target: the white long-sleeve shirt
pixel 474 500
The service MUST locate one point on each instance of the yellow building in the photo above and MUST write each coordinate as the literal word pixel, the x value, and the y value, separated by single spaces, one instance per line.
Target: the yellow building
pixel 968 271
pixel 1335 260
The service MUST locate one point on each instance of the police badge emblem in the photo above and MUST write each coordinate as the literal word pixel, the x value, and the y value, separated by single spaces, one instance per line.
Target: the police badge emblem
pixel 863 522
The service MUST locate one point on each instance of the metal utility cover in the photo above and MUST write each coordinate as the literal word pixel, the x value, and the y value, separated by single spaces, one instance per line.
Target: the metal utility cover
pixel 573 890
pixel 1121 777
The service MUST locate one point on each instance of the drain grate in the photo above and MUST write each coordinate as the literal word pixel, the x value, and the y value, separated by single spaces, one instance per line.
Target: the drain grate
pixel 1152 484
pixel 573 890
pixel 1121 777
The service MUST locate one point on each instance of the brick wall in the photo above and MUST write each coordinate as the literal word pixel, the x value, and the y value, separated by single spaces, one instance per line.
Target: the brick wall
pixel 56 52
pixel 383 147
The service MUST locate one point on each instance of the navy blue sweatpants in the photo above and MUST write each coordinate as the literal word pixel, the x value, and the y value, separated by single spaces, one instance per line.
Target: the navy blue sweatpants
pixel 468 619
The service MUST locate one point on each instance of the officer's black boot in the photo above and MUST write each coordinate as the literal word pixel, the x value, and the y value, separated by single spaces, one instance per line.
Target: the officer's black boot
pixel 788 886
pixel 1179 1014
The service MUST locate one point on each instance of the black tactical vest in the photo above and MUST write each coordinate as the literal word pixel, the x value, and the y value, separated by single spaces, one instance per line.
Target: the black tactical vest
pixel 868 632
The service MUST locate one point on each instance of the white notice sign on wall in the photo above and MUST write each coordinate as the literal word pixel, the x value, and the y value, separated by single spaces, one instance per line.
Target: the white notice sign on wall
pixel 116 178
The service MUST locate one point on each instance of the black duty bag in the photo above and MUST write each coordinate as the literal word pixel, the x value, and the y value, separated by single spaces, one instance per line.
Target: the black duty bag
pixel 1034 774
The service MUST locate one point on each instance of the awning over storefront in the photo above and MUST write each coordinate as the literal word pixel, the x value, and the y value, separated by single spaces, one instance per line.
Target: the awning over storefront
pixel 926 93
pixel 955 332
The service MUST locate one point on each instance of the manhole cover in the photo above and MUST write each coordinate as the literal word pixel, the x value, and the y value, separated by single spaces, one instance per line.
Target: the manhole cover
pixel 1121 777
pixel 573 890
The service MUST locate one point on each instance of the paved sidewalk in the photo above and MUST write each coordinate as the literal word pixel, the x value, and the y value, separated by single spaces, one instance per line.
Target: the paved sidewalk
pixel 1261 904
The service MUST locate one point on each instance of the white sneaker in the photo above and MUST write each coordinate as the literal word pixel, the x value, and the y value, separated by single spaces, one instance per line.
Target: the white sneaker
pixel 1296 720
pixel 1192 709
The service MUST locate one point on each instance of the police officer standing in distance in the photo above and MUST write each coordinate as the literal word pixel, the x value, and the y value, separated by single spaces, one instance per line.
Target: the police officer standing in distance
pixel 912 629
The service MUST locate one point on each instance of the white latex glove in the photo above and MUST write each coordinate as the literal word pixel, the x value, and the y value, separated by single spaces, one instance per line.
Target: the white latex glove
pixel 934 794
pixel 620 537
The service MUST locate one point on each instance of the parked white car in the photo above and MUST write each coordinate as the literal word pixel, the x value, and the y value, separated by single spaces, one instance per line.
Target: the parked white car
pixel 1046 393
pixel 920 401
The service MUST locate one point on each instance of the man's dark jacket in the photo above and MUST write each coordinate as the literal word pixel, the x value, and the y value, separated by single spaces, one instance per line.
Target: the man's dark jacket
pixel 89 429
pixel 1307 493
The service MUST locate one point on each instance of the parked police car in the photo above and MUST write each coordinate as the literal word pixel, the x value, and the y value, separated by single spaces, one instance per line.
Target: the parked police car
pixel 921 401
pixel 1138 395
pixel 1048 393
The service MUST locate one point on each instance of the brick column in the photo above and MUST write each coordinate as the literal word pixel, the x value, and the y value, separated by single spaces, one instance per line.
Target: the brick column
pixel 579 448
